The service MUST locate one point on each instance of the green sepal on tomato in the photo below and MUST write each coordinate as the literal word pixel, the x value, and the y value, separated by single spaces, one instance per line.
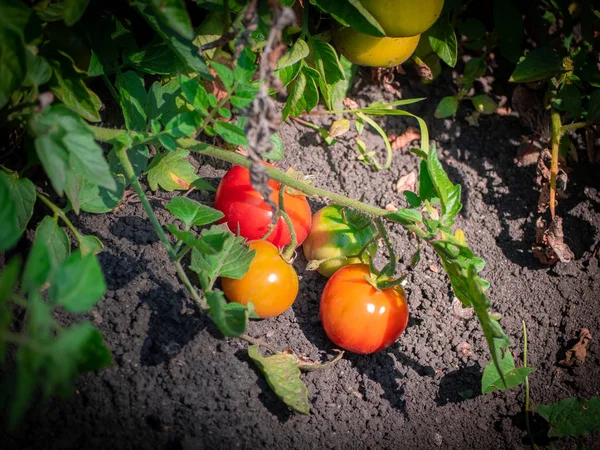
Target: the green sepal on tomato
pixel 246 212
pixel 335 239
pixel 271 283
pixel 358 317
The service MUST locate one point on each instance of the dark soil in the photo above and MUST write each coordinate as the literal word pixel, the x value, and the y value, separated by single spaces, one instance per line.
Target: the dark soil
pixel 176 384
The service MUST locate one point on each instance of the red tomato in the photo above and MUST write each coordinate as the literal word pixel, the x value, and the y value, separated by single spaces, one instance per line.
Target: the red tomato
pixel 271 283
pixel 358 317
pixel 245 208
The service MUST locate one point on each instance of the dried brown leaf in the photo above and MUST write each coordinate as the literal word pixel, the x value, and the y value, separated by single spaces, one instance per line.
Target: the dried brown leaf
pixel 407 182
pixel 576 354
pixel 391 207
pixel 350 104
pixel 550 246
pixel 411 134
pixel 459 311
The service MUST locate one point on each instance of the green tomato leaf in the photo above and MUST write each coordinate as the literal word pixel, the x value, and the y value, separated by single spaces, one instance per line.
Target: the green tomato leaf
pixel 492 381
pixel 166 101
pixel 195 94
pixel 183 125
pixel 351 13
pixel 297 52
pixel 172 171
pixel 156 58
pixel 138 156
pixel 448 193
pixel 182 46
pixel 50 248
pixel 509 27
pixel 73 10
pixel 133 99
pixel 78 283
pixel 233 261
pixel 68 86
pixel 283 376
pixel 90 245
pixel 225 75
pixel 192 213
pixel 539 64
pixel 13 62
pixel 412 199
pixel 17 198
pixel 97 199
pixel 231 318
pixel 174 15
pixel 289 73
pixel 231 133
pixel 484 104
pixel 406 216
pixel 67 150
pixel 572 416
pixel 443 41
pixel 339 91
pixel 569 100
pixel 39 71
pixel 303 96
pixel 326 62
pixel 276 153
pixel 210 244
pixel 446 108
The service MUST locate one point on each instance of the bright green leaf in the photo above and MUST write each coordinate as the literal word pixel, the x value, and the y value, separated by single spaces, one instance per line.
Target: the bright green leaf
pixel 183 125
pixel 133 99
pixel 484 104
pixel 210 244
pixel 90 245
pixel 443 41
pixel 514 376
pixel 97 199
pixel 231 318
pixel 192 213
pixel 195 94
pixel 297 52
pixel 231 133
pixel 446 107
pixel 171 170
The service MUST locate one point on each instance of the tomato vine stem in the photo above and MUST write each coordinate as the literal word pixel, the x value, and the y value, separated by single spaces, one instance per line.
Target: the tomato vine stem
pixel 288 251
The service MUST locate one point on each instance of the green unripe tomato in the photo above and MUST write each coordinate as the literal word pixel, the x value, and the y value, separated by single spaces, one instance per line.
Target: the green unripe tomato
pixel 335 235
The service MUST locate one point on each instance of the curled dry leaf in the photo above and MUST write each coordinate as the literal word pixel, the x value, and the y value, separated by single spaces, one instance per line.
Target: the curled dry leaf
pixel 407 182
pixel 550 247
pixel 503 111
pixel 576 354
pixel 434 269
pixel 391 207
pixel 350 104
pixel 459 311
pixel 411 134
pixel 339 127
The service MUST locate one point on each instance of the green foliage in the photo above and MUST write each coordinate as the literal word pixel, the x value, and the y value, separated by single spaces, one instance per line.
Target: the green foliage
pixel 511 375
pixel 192 213
pixel 283 376
pixel 572 416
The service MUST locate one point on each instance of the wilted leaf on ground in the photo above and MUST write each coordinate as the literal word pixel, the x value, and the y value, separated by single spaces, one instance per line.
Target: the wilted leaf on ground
pixel 576 354
pixel 407 182
pixel 550 246
pixel 283 376
pixel 411 134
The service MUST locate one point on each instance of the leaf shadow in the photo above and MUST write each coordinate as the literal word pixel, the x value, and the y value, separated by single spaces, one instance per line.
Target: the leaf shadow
pixel 460 385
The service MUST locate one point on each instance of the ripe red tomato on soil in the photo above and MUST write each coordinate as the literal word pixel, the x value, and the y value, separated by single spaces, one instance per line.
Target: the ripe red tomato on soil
pixel 271 283
pixel 245 208
pixel 359 318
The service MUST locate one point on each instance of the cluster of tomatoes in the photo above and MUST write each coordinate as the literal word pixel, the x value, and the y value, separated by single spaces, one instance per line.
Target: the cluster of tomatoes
pixel 403 22
pixel 355 315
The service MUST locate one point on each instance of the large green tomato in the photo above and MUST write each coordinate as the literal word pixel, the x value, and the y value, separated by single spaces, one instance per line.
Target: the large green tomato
pixel 403 18
pixel 336 234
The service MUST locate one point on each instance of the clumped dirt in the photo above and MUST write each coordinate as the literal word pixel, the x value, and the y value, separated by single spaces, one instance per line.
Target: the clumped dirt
pixel 177 384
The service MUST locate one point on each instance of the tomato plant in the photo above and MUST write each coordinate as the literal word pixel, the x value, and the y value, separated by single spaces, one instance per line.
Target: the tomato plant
pixel 245 209
pixel 358 317
pixel 271 283
pixel 336 240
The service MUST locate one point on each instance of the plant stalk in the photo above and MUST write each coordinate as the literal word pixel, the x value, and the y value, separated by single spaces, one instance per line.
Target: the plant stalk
pixel 107 134
pixel 556 135
pixel 59 213
pixel 289 250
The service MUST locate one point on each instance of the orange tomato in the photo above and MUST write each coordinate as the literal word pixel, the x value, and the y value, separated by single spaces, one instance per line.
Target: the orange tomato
pixel 271 283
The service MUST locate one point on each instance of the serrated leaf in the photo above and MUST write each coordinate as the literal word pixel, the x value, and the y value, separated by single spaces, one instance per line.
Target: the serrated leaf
pixel 231 318
pixel 446 107
pixel 233 261
pixel 17 207
pixel 174 15
pixel 192 213
pixel 484 104
pixel 405 216
pixel 572 416
pixel 171 171
pixel 538 64
pixel 231 132
pixel 133 99
pixel 283 376
pixel 492 381
pixel 195 94
pixel 448 193
pixel 78 283
pixel 326 62
pixel 183 125
pixel 297 52
pixel 183 47
pixel 50 248
pixel 67 150
pixel 351 13
pixel 211 244
pixel 225 75
pixel 303 95
pixel 443 41
pixel 97 199
pixel 166 101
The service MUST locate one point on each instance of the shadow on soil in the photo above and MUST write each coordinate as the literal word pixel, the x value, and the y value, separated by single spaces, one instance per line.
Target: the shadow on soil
pixel 460 385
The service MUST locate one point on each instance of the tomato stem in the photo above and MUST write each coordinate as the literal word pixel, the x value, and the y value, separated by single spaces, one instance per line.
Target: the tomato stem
pixel 556 135
pixel 391 267
pixel 288 251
